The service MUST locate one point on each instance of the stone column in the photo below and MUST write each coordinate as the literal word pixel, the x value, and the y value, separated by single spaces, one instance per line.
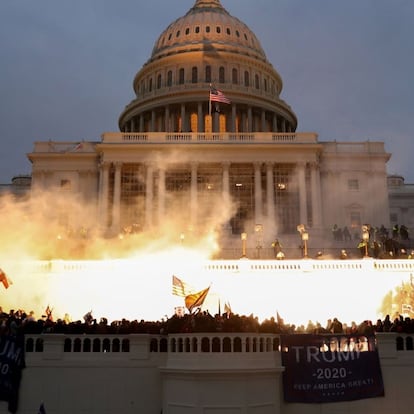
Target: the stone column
pixel 303 211
pixel 193 194
pixel 233 117
pixel 161 196
pixel 316 195
pixel 149 194
pixel 258 208
pixel 116 208
pixel 263 121
pixel 270 197
pixel 103 194
pixel 283 126
pixel 226 182
pixel 275 123
pixel 141 123
pixel 167 119
pixel 152 128
pixel 200 118
pixel 183 119
pixel 249 119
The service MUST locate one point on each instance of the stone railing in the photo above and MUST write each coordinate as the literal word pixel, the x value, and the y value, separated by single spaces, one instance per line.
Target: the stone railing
pixel 206 138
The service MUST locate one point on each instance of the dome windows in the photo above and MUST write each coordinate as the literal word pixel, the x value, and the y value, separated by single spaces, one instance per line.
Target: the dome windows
pixel 197 29
pixel 218 29
pixel 194 74
pixel 221 74
pixel 187 31
pixel 208 74
pixel 207 29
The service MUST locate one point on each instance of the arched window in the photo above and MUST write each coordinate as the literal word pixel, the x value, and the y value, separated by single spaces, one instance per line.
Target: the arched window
pixel 208 73
pixel 234 76
pixel 116 345
pixel 194 74
pixel 181 76
pixel 150 85
pixel 216 345
pixel 169 78
pixel 159 82
pixel 106 345
pixel 96 346
pixel 256 81
pixel 221 74
pixel 87 345
pixel 246 78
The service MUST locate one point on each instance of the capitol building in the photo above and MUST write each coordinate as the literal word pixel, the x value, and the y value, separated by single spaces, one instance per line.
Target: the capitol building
pixel 209 143
pixel 208 147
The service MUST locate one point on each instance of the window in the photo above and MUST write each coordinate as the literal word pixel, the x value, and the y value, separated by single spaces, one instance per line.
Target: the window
pixel 246 78
pixel 159 82
pixel 256 81
pixel 181 76
pixel 207 29
pixel 234 76
pixel 169 78
pixel 353 184
pixel 197 29
pixel 194 74
pixel 218 29
pixel 208 73
pixel 221 74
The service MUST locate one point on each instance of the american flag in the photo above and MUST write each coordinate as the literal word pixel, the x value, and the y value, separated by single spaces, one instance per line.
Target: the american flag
pixel 179 288
pixel 218 96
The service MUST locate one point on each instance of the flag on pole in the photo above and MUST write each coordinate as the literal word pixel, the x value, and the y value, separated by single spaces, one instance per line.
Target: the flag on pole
pixel 196 300
pixel 179 288
pixel 48 312
pixel 218 96
pixel 5 280
pixel 227 308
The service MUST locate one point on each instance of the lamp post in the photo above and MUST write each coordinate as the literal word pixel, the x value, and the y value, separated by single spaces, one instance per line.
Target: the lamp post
pixel 305 238
pixel 243 239
pixel 365 238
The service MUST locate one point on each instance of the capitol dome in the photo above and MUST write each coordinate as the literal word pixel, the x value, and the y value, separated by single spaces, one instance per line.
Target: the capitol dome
pixel 208 24
pixel 207 48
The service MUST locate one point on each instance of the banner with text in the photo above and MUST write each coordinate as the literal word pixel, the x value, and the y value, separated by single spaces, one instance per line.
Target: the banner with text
pixel 330 368
pixel 11 364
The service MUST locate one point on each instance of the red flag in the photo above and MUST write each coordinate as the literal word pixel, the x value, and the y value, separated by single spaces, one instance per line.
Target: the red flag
pixel 4 279
pixel 196 300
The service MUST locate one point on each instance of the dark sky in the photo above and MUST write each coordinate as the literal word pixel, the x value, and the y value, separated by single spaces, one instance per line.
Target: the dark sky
pixel 67 68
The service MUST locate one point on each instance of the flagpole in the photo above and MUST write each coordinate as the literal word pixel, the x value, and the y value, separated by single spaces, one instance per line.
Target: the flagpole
pixel 209 101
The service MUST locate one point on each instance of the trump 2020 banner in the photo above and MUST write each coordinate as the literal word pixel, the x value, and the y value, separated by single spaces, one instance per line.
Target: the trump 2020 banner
pixel 11 365
pixel 330 368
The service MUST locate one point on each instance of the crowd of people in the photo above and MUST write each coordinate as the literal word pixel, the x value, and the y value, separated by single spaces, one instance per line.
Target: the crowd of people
pixel 20 322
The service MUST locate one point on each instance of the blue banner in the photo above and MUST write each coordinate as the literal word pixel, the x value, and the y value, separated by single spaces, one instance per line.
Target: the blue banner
pixel 330 368
pixel 11 364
